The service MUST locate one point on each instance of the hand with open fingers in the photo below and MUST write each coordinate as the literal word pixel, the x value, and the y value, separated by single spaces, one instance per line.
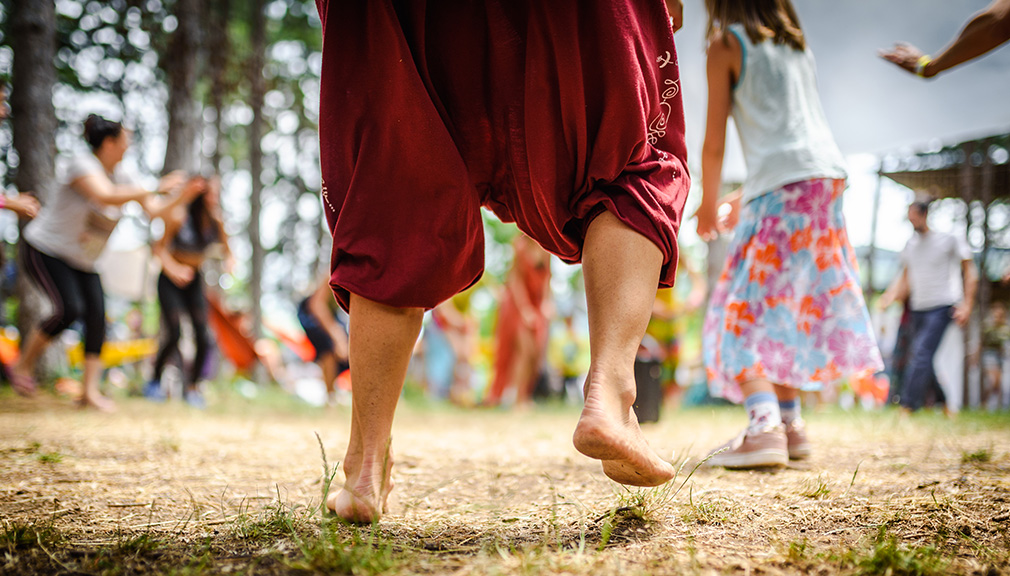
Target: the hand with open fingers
pixel 904 55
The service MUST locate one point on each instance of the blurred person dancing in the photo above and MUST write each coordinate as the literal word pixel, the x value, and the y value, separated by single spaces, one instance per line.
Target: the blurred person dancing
pixel 317 315
pixel 524 313
pixel 62 244
pixel 190 232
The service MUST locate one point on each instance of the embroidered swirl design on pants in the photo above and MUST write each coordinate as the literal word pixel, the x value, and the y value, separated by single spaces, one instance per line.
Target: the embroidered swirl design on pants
pixel 657 127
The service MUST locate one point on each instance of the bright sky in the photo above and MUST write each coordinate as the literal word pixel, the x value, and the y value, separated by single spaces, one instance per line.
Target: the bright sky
pixel 872 106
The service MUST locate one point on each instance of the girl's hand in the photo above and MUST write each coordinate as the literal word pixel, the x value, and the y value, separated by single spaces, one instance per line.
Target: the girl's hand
pixel 728 221
pixel 708 222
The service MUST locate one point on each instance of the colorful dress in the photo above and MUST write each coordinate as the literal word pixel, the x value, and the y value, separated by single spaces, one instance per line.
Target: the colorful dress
pixel 788 307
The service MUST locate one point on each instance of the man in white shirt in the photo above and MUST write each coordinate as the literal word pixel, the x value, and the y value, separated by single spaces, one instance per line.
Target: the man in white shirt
pixel 932 262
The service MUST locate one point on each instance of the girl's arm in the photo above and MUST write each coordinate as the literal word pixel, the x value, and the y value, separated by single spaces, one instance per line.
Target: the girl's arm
pixel 720 70
pixel 676 10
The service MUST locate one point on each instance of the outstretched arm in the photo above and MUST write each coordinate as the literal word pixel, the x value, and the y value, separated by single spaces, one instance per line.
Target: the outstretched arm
pixel 898 290
pixel 984 32
pixel 178 194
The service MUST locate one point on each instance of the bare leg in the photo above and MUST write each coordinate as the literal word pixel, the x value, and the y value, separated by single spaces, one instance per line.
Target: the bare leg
pixel 621 269
pixel 785 393
pixel 36 344
pixel 524 374
pixel 92 397
pixel 23 370
pixel 328 363
pixel 381 341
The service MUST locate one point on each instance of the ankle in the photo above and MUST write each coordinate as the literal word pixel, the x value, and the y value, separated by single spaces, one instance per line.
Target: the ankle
pixel 762 411
pixel 616 384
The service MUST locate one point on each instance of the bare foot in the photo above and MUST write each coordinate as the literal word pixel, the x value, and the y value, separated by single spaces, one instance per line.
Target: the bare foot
pixel 362 500
pixel 98 402
pixel 23 383
pixel 608 430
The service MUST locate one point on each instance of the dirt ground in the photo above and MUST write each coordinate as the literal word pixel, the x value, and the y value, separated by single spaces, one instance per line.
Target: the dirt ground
pixel 162 489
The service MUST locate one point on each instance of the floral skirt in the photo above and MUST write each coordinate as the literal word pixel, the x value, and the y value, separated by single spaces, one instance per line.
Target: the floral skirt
pixel 788 307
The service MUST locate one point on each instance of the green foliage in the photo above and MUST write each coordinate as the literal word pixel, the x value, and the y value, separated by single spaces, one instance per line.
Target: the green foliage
pixel 885 555
pixel 798 550
pixel 980 456
pixel 19 536
pixel 361 551
pixel 815 488
pixel 138 545
pixel 50 457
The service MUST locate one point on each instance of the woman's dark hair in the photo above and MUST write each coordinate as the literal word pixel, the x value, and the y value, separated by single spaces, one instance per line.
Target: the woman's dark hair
pixel 97 129
pixel 774 20
pixel 201 217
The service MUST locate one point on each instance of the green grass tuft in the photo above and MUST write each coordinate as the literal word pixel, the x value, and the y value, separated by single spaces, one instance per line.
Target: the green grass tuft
pixel 50 457
pixel 980 456
pixel 886 555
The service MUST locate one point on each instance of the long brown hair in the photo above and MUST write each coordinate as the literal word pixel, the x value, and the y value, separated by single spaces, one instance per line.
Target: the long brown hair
pixel 762 19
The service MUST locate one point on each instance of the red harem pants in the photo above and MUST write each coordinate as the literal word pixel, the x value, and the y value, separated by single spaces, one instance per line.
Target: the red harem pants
pixel 548 113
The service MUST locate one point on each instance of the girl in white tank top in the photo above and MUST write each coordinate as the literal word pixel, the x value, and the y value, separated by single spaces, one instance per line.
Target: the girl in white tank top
pixel 787 314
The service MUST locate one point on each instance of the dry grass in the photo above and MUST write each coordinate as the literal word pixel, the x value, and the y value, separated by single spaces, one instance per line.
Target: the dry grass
pixel 161 489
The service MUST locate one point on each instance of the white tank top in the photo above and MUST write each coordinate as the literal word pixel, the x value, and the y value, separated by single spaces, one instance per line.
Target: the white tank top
pixel 783 132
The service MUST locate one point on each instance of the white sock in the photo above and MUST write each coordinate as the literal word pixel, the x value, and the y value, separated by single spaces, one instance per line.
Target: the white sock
pixel 762 411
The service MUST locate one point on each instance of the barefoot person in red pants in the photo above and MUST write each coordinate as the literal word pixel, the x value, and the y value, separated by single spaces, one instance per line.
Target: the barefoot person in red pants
pixel 564 117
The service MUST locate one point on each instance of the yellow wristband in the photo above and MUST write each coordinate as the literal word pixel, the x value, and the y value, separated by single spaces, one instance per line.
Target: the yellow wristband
pixel 920 65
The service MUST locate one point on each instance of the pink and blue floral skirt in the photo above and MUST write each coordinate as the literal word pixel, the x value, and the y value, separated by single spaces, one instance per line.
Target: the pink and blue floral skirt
pixel 788 307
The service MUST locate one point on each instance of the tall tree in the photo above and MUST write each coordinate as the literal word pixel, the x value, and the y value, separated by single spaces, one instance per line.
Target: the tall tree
pixel 218 48
pixel 181 65
pixel 33 39
pixel 257 88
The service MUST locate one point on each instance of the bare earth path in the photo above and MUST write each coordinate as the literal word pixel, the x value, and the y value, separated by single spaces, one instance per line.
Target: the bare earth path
pixel 163 489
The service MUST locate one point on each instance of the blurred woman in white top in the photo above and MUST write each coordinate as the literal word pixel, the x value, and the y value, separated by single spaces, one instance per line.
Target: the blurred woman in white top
pixel 62 244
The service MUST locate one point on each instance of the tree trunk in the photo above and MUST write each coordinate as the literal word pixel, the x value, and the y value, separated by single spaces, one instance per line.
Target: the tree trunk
pixel 33 123
pixel 183 112
pixel 257 92
pixel 218 48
